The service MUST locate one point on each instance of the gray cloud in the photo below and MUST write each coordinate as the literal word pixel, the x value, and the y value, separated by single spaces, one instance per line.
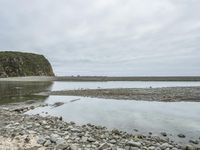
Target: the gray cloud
pixel 106 37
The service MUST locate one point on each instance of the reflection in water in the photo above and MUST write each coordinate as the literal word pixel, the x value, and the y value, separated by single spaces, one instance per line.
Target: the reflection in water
pixel 21 91
pixel 175 117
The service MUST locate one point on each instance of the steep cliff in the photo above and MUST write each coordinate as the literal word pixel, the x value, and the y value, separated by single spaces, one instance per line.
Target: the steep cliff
pixel 16 64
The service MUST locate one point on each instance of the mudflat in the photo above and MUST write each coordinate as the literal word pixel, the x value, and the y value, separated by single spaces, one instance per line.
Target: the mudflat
pixel 168 94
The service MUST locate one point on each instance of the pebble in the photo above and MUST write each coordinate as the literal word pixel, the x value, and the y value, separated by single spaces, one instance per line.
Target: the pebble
pixel 133 144
pixel 54 138
pixel 113 141
pixel 41 140
pixel 189 147
pixel 90 139
pixel 74 147
pixel 47 143
pixel 163 133
pixel 194 141
pixel 104 146
pixel 62 146
pixel 164 146
pixel 181 135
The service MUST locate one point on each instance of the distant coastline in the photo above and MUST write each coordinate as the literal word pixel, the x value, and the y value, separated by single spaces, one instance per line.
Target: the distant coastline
pixel 127 78
pixel 102 78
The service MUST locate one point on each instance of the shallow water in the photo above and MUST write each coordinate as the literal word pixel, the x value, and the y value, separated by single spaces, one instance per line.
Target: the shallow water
pixel 22 91
pixel 173 118
pixel 119 84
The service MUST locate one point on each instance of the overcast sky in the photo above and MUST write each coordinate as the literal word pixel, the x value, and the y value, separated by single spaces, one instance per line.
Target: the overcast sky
pixel 106 37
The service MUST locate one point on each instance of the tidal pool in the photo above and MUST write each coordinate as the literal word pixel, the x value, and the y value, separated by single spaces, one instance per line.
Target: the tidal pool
pixel 127 115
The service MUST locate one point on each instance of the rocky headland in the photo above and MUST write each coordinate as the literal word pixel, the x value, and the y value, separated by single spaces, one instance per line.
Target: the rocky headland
pixel 18 64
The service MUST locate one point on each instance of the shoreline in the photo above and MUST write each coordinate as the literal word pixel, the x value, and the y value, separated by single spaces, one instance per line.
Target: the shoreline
pixel 33 131
pixel 167 94
pixel 28 79
pixel 103 78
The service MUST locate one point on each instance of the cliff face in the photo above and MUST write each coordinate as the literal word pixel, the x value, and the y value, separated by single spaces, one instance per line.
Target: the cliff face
pixel 16 64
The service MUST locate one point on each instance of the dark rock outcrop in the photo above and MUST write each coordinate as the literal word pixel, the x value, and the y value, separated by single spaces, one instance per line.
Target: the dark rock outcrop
pixel 17 64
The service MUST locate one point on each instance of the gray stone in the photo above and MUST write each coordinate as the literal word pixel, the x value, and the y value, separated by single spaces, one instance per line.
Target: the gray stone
pixel 151 148
pixel 60 141
pixel 62 146
pixel 189 147
pixel 134 148
pixel 181 135
pixel 115 131
pixel 104 146
pixel 113 141
pixel 84 139
pixel 74 147
pixel 75 130
pixel 165 146
pixel 194 141
pixel 54 138
pixel 90 139
pixel 133 144
pixel 41 140
pixel 47 143
pixel 163 133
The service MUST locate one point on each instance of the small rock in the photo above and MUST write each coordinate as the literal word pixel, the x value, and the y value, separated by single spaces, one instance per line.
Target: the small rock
pixel 133 144
pixel 84 139
pixel 134 148
pixel 75 130
pixel 90 139
pixel 181 135
pixel 32 107
pixel 41 140
pixel 74 147
pixel 189 147
pixel 104 146
pixel 165 146
pixel 163 133
pixel 194 142
pixel 115 131
pixel 54 138
pixel 62 147
pixel 136 130
pixel 27 139
pixel 151 148
pixel 113 141
pixel 47 143
pixel 44 122
pixel 60 141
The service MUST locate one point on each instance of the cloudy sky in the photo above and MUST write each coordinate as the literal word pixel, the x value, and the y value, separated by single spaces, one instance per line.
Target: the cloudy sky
pixel 106 37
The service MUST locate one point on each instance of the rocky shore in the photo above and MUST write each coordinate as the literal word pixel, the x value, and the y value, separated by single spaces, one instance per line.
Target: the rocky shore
pixel 168 94
pixel 19 132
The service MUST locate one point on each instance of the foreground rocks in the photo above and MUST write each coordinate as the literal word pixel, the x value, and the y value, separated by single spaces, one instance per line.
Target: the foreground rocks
pixel 19 131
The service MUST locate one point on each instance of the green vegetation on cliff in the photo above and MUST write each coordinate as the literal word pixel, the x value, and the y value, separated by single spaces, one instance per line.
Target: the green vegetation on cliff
pixel 16 64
